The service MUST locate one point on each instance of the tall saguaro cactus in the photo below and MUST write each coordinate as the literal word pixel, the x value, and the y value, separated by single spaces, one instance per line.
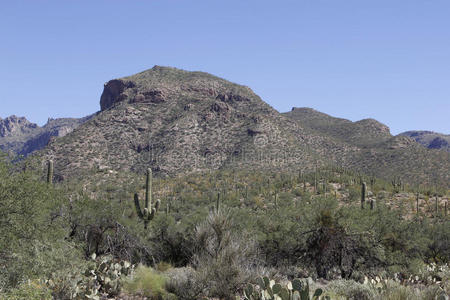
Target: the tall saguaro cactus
pixel 218 203
pixel 149 212
pixel 363 194
pixel 417 202
pixel 50 172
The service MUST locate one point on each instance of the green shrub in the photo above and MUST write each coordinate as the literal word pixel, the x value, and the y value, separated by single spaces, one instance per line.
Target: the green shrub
pixel 351 289
pixel 183 282
pixel 147 282
pixel 31 290
pixel 395 291
pixel 32 228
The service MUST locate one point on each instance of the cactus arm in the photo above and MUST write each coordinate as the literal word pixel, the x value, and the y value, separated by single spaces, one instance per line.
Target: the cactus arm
pixel 157 204
pixel 138 206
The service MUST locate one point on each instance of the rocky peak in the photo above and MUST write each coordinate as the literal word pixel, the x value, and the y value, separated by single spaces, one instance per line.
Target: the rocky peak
pixel 14 125
pixel 374 126
pixel 160 84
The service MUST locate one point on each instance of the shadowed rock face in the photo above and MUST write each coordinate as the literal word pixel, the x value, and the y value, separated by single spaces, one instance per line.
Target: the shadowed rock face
pixel 113 93
pixel 438 143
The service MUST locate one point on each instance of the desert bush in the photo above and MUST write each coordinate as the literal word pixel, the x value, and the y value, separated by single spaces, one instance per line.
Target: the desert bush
pixel 433 292
pixel 184 283
pixel 32 228
pixel 438 251
pixel 351 289
pixel 30 290
pixel 169 241
pixel 224 260
pixel 147 282
pixel 392 290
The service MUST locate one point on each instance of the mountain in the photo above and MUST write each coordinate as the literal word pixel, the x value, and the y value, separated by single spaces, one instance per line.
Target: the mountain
pixel 178 121
pixel 20 136
pixel 430 139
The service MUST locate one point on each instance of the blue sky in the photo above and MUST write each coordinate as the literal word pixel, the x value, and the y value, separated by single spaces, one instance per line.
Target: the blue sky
pixel 387 60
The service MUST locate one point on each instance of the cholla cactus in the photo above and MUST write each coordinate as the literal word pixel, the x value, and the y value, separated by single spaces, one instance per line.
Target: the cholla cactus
pixel 149 212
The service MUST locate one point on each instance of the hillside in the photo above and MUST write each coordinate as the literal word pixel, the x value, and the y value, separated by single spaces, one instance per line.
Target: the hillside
pixel 430 139
pixel 378 152
pixel 363 133
pixel 178 121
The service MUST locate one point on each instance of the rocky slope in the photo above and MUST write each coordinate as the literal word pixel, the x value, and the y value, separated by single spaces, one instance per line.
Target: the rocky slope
pixel 19 136
pixel 178 121
pixel 363 133
pixel 430 139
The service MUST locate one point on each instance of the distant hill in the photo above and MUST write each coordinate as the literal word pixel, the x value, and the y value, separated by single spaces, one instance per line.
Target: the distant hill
pixel 430 139
pixel 22 137
pixel 363 133
pixel 378 151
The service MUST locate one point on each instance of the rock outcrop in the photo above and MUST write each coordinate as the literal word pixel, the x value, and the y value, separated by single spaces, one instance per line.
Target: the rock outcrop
pixel 14 126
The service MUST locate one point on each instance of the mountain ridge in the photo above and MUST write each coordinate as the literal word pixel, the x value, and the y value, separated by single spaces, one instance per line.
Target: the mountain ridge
pixel 22 137
pixel 177 121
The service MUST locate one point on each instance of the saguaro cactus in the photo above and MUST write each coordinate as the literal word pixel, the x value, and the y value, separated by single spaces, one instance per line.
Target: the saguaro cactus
pixel 363 194
pixel 50 172
pixel 276 201
pixel 218 203
pixel 315 182
pixel 417 202
pixel 437 205
pixel 149 212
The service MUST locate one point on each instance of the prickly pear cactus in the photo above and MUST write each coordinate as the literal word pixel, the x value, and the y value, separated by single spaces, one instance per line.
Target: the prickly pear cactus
pixel 267 289
pixel 101 279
